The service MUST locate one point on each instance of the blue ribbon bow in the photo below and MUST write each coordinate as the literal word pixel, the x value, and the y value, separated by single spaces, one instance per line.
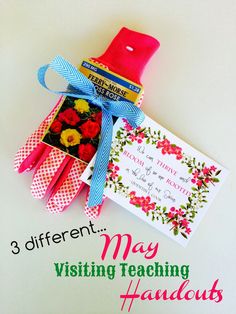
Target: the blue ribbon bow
pixel 81 87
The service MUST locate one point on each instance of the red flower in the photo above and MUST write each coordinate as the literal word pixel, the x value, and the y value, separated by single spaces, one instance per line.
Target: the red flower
pixel 113 175
pixel 205 170
pixel 166 142
pixel 90 129
pixel 141 135
pixel 56 126
pixel 175 223
pixel 199 183
pixel 110 166
pixel 178 157
pixel 69 116
pixel 98 118
pixel 132 194
pixel 170 215
pixel 86 152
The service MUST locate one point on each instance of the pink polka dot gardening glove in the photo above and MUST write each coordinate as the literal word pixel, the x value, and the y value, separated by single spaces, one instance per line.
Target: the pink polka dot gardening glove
pixel 56 174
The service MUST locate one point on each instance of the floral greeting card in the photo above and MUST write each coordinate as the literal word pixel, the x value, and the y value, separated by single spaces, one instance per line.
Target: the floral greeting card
pixel 159 178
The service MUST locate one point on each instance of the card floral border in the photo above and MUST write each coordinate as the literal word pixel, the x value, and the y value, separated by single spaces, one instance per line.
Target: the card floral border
pixel 202 177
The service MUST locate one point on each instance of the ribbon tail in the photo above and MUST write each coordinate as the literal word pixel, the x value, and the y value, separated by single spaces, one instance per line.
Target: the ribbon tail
pixel 76 79
pixel 101 162
pixel 127 110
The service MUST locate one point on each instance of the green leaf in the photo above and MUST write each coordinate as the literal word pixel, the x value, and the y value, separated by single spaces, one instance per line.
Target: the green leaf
pixel 116 159
pixel 190 170
pixel 119 178
pixel 216 180
pixel 184 235
pixel 147 140
pixel 176 231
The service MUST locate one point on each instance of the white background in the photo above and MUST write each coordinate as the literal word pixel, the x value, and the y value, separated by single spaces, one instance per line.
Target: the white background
pixel 189 89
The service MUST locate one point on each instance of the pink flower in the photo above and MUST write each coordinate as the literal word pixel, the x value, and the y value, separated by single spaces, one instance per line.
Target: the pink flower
pixel 172 209
pixel 184 223
pixel 193 181
pixel 127 126
pixel 132 137
pixel 213 168
pixel 180 212
pixel 139 141
pixel 117 168
pixel 188 230
pixel 195 174
pixel 145 208
pixel 207 180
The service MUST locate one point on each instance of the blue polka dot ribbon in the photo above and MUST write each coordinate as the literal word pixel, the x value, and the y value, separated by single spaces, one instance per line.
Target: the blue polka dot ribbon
pixel 81 87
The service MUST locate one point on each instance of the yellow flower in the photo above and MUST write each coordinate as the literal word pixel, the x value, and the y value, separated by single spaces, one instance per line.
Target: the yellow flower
pixel 70 137
pixel 81 105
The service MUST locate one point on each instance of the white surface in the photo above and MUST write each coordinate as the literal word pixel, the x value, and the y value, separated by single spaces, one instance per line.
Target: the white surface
pixel 189 89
